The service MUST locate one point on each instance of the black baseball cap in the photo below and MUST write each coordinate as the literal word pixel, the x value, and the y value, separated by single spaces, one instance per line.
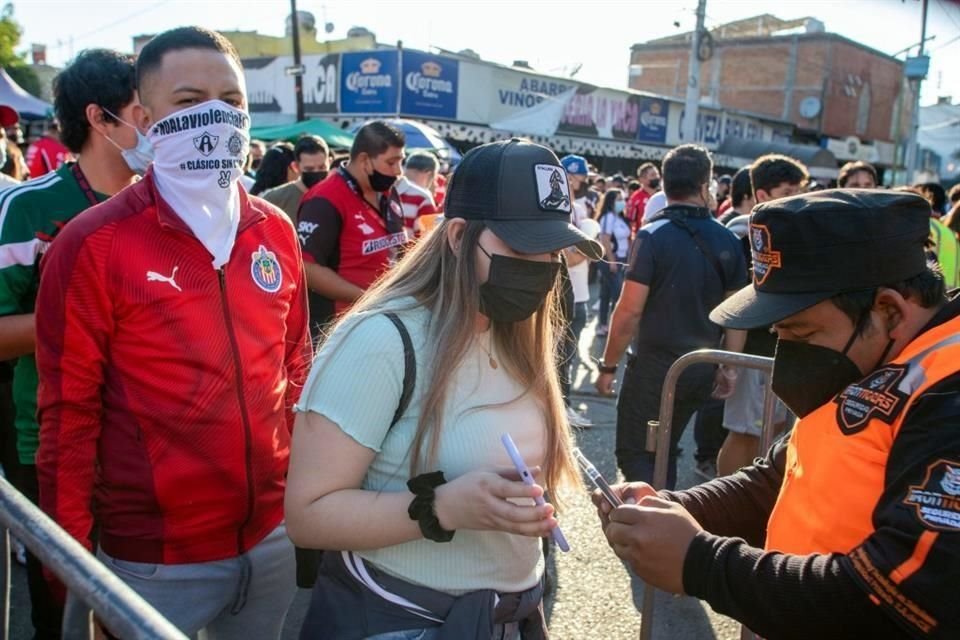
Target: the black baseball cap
pixel 810 247
pixel 520 192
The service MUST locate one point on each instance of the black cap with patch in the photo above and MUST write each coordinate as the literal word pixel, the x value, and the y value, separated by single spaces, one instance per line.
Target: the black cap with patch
pixel 520 192
pixel 810 247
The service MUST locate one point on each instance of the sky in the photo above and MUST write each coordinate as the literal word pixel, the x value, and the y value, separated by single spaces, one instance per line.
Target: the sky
pixel 553 36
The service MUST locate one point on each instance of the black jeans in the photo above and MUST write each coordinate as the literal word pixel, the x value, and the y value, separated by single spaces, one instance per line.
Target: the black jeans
pixel 611 283
pixel 568 349
pixel 45 611
pixel 639 402
pixel 709 432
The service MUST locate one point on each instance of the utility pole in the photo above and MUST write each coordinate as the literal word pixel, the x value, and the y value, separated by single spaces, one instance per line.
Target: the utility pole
pixel 298 75
pixel 917 80
pixel 692 106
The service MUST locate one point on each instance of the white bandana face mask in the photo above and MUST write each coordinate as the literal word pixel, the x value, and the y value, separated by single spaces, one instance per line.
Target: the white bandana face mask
pixel 198 160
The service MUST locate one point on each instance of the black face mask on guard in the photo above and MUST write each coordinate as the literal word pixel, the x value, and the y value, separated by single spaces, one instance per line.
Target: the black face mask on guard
pixel 808 376
pixel 515 288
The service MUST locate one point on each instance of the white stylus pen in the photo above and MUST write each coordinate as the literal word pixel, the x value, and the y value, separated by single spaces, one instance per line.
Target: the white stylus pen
pixel 527 478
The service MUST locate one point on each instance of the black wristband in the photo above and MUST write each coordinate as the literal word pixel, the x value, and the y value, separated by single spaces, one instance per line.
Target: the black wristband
pixel 603 368
pixel 422 508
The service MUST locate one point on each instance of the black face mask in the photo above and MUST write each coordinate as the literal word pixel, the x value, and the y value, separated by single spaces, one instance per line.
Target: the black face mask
pixel 254 165
pixel 310 178
pixel 515 288
pixel 807 376
pixel 381 182
pixel 655 184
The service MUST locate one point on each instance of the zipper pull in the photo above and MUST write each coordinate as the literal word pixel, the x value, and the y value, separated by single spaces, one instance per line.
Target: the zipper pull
pixel 222 276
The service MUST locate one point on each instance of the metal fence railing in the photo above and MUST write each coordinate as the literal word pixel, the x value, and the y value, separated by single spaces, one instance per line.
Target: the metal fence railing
pixel 658 436
pixel 124 613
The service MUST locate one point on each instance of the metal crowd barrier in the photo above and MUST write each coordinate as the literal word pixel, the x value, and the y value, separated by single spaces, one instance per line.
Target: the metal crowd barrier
pixel 124 613
pixel 658 435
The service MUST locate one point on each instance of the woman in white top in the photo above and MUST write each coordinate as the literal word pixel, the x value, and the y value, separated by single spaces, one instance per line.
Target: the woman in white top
pixel 453 555
pixel 615 237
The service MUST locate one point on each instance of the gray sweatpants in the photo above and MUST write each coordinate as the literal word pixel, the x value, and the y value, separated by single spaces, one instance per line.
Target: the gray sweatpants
pixel 238 598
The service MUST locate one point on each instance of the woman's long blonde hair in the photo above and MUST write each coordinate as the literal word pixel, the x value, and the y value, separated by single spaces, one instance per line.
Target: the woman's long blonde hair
pixel 448 286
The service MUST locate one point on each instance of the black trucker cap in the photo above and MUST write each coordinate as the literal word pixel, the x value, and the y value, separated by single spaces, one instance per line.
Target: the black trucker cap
pixel 520 192
pixel 810 247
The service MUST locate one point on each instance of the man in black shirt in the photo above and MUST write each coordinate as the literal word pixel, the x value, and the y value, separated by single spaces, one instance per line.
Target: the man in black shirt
pixel 851 528
pixel 681 266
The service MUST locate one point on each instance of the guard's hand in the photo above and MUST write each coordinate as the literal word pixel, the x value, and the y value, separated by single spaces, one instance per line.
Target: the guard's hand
pixel 482 500
pixel 653 537
pixel 604 384
pixel 724 383
pixel 628 492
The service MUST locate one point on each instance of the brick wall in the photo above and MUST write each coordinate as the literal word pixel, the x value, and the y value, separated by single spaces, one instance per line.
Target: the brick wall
pixel 858 87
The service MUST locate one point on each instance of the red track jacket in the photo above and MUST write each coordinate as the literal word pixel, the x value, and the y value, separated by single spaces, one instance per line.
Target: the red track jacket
pixel 166 386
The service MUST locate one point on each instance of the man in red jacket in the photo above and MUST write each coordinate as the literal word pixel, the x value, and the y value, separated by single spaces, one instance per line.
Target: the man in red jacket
pixel 171 344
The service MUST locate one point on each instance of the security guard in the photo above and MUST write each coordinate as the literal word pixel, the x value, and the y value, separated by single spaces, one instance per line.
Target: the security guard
pixel 850 527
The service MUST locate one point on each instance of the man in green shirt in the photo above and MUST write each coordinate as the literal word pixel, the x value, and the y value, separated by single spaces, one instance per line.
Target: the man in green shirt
pixel 312 162
pixel 94 98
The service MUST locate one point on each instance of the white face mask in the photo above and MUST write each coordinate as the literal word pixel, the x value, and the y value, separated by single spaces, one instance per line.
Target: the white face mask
pixel 137 158
pixel 199 155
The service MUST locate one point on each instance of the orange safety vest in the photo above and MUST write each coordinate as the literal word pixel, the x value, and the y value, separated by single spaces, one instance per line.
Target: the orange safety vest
pixel 837 455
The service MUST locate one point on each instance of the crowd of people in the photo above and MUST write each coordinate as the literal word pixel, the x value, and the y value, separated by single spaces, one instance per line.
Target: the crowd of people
pixel 190 322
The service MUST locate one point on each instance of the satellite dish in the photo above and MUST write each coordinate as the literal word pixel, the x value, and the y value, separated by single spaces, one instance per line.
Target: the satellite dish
pixel 810 107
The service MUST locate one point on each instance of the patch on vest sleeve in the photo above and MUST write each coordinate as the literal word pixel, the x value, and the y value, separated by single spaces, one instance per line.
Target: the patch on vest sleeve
pixel 876 396
pixel 888 593
pixel 937 499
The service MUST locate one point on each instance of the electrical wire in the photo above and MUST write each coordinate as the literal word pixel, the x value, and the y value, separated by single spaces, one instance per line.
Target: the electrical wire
pixel 113 24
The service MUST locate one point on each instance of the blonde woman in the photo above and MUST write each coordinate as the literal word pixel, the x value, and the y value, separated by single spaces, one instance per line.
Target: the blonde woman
pixel 431 536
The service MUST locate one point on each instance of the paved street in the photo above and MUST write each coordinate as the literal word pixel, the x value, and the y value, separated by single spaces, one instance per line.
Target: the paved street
pixel 595 597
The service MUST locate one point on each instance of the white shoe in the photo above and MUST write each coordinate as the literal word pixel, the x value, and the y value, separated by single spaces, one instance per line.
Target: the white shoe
pixel 577 419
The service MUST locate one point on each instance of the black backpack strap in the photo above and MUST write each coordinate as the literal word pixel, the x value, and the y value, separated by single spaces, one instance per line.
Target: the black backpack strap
pixel 680 220
pixel 409 367
pixel 309 560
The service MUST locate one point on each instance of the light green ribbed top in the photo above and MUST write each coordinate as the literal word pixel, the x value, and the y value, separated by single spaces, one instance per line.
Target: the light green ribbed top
pixel 356 382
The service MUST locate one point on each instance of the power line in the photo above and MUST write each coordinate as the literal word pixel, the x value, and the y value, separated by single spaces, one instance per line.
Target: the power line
pixel 111 25
pixel 944 9
pixel 946 44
